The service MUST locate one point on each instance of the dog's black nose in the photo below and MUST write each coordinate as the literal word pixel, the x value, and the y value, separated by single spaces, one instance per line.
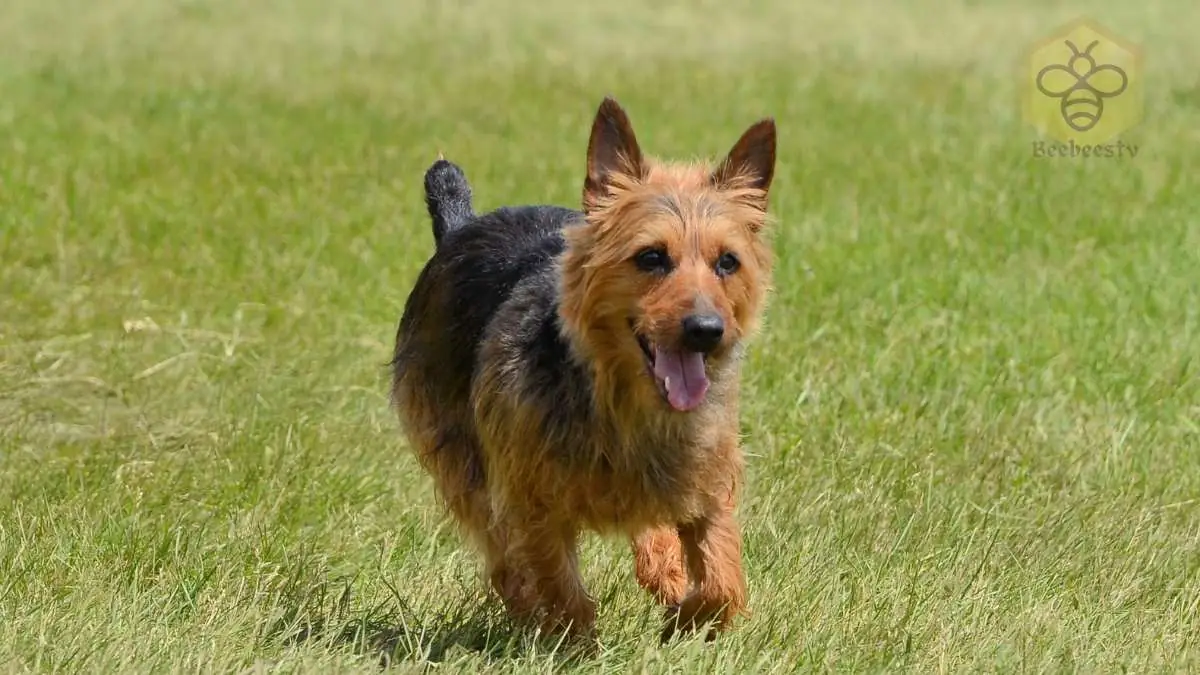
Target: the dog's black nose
pixel 702 332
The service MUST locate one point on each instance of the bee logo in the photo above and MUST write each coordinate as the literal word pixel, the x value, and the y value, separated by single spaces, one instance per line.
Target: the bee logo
pixel 1082 85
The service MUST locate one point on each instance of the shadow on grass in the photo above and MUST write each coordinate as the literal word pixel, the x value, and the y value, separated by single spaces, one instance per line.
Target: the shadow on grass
pixel 432 640
pixel 395 632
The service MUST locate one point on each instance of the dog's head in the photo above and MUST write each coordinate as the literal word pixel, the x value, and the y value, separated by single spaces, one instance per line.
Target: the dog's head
pixel 670 271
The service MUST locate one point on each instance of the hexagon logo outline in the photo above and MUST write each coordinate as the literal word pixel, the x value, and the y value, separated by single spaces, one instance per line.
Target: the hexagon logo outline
pixel 1059 98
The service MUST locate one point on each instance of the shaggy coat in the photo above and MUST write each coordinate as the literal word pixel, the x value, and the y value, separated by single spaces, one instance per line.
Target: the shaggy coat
pixel 560 371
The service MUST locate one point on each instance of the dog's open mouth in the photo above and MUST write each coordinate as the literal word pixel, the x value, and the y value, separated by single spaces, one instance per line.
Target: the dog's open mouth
pixel 679 374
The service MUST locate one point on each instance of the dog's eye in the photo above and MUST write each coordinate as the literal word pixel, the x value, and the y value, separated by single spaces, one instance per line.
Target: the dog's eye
pixel 652 260
pixel 727 264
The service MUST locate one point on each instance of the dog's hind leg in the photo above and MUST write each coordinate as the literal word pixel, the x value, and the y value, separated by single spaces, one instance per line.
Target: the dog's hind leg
pixel 548 554
pixel 658 564
pixel 473 511
pixel 509 581
pixel 453 461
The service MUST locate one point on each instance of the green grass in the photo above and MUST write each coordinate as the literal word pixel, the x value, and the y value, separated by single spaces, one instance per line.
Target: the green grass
pixel 972 421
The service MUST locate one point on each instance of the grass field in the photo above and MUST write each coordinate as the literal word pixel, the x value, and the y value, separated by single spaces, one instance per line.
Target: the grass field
pixel 972 421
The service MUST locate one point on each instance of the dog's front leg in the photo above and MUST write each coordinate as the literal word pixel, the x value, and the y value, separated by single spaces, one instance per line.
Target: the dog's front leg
pixel 658 564
pixel 712 546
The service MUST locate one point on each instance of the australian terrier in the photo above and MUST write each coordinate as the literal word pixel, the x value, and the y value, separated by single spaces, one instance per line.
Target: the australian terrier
pixel 559 371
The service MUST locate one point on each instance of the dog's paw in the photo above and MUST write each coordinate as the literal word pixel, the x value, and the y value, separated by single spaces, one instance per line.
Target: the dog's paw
pixel 577 623
pixel 691 615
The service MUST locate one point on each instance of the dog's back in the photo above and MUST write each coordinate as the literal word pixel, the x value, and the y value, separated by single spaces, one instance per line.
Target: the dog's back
pixel 478 261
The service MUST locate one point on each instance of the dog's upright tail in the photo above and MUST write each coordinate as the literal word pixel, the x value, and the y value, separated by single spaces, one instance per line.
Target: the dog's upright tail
pixel 448 196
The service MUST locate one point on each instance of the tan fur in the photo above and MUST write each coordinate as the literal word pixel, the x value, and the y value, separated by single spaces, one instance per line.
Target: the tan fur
pixel 668 481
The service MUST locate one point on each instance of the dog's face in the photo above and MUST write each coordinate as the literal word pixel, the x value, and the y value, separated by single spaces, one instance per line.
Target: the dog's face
pixel 670 272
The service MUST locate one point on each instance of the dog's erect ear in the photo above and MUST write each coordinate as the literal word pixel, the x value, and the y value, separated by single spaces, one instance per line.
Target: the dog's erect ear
pixel 751 162
pixel 611 148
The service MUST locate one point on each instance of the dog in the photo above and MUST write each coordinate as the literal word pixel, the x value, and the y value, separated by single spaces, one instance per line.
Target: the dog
pixel 561 371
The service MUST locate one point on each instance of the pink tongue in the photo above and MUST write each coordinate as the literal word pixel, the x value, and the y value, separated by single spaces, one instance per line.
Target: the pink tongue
pixel 683 374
